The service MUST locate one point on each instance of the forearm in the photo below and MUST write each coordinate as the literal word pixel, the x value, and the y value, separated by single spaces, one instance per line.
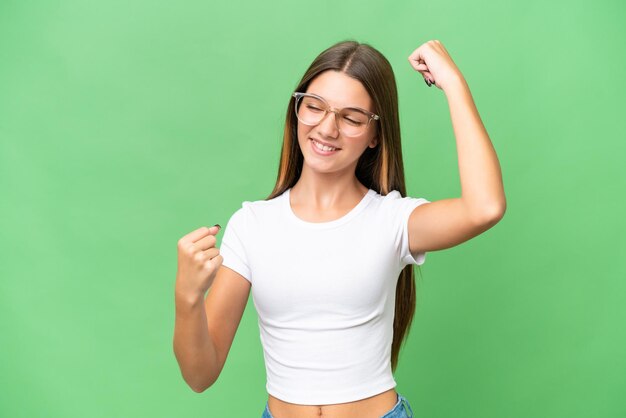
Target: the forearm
pixel 194 350
pixel 481 178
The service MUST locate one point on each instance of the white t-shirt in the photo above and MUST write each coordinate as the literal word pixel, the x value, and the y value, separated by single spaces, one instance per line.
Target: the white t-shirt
pixel 324 293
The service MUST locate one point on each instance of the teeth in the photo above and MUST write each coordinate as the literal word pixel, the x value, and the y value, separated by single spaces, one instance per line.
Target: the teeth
pixel 323 147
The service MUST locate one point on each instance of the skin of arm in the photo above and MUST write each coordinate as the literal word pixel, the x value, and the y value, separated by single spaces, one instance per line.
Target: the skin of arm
pixel 482 189
pixel 193 347
pixel 449 222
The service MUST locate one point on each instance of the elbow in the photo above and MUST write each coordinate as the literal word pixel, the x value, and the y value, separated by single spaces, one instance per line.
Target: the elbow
pixel 491 216
pixel 199 386
pixel 487 212
pixel 198 376
pixel 199 382
pixel 495 211
pixel 496 214
pixel 500 210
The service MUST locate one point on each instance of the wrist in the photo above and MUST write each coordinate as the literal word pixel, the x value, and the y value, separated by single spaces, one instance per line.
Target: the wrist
pixel 456 84
pixel 188 299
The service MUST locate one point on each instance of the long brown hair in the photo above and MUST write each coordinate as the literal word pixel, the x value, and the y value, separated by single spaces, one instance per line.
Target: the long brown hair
pixel 379 168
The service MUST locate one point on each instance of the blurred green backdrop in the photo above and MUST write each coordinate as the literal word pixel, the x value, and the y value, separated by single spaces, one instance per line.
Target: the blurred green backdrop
pixel 125 125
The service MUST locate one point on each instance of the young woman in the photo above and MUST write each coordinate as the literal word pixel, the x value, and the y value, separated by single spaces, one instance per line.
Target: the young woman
pixel 329 254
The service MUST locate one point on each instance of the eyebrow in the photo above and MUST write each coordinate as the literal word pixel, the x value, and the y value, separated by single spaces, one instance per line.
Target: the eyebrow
pixel 345 107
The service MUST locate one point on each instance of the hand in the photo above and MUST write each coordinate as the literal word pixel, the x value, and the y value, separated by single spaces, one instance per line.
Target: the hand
pixel 198 262
pixel 434 63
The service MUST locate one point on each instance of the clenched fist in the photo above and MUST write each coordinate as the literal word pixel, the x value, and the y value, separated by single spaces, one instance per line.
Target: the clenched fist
pixel 435 64
pixel 198 262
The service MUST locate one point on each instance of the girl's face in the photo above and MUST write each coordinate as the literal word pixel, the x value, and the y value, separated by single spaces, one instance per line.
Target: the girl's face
pixel 339 90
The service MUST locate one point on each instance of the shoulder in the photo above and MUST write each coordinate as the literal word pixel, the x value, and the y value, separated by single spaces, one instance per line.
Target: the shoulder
pixel 393 210
pixel 395 201
pixel 257 210
pixel 262 204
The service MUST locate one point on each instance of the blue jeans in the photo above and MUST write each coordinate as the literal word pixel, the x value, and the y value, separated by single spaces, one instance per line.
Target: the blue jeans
pixel 401 409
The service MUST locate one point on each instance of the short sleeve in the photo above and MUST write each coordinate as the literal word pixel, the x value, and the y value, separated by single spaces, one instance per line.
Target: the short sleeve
pixel 402 208
pixel 232 248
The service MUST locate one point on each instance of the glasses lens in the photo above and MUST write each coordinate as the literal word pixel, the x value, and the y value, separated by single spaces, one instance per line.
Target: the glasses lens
pixel 310 110
pixel 352 122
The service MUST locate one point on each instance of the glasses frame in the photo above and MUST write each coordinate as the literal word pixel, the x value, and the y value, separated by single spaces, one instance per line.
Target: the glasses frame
pixel 328 108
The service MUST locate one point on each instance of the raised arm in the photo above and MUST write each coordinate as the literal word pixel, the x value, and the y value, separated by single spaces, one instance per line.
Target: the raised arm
pixel 449 222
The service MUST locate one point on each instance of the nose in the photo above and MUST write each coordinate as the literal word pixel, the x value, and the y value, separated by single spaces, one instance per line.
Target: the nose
pixel 328 125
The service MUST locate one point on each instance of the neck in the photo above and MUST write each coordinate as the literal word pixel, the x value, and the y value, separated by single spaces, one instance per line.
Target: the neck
pixel 327 190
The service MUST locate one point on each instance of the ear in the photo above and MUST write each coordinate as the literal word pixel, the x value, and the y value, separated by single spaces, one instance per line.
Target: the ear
pixel 373 142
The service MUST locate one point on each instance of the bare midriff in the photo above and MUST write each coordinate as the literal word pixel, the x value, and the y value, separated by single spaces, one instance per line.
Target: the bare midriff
pixel 372 407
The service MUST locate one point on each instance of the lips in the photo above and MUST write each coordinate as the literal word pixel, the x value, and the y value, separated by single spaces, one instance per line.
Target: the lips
pixel 321 152
pixel 325 143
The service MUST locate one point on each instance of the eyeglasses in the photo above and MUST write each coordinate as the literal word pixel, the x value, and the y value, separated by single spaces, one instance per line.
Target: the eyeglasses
pixel 311 109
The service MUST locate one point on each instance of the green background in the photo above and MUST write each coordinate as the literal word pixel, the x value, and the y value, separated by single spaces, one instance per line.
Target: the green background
pixel 125 125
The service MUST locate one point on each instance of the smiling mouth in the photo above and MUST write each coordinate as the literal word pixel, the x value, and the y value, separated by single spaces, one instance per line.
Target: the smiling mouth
pixel 323 147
